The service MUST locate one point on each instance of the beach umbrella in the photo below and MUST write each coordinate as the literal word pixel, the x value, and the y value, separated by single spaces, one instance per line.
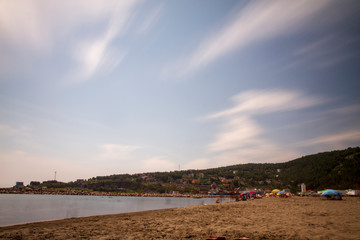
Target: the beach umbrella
pixel 275 191
pixel 330 192
pixel 325 190
pixel 281 193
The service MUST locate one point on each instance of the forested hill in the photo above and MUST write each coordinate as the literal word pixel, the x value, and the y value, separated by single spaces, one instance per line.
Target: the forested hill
pixel 336 169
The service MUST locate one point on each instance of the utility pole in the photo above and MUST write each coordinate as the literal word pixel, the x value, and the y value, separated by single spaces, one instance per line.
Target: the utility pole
pixel 55 176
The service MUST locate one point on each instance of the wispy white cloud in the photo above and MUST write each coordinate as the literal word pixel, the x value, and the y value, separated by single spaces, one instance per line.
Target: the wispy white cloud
pixel 241 139
pixel 44 27
pixel 236 132
pixel 96 54
pixel 325 52
pixel 267 101
pixel 43 24
pixel 20 21
pixel 338 140
pixel 151 19
pixel 260 151
pixel 117 152
pixel 256 22
pixel 156 164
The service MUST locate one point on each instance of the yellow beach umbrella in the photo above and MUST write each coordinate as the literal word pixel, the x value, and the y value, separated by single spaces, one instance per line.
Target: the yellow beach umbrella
pixel 275 191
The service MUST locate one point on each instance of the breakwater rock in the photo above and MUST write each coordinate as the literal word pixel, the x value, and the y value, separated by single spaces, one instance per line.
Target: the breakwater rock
pixel 66 191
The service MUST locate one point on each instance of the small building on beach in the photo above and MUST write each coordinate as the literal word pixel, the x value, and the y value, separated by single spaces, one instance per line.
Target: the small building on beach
pixel 19 185
pixel 303 188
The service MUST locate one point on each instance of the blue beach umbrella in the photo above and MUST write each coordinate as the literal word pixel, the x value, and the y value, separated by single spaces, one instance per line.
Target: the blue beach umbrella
pixel 330 192
pixel 325 190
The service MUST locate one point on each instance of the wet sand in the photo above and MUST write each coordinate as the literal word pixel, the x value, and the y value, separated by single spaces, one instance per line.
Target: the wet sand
pixel 269 218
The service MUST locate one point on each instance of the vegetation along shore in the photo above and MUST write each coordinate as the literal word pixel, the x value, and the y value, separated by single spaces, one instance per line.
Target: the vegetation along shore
pixel 336 169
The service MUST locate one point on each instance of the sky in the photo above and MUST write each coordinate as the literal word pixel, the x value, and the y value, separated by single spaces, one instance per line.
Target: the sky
pixel 93 88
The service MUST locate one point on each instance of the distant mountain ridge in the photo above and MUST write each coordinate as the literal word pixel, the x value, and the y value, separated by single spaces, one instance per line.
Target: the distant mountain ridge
pixel 336 169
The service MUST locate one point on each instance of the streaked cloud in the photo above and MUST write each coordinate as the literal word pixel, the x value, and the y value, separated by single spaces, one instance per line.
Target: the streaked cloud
pixel 325 52
pixel 236 132
pixel 21 20
pixel 338 140
pixel 159 163
pixel 256 22
pixel 266 101
pixel 43 24
pixel 347 110
pixel 44 27
pixel 96 54
pixel 116 152
pixel 260 151
pixel 240 138
pixel 151 19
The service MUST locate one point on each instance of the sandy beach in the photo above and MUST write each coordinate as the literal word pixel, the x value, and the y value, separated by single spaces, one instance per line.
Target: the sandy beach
pixel 269 218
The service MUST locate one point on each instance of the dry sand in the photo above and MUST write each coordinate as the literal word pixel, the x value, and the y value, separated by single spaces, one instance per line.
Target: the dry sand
pixel 269 218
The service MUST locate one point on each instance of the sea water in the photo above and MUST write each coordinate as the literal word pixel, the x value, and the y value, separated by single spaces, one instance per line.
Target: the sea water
pixel 25 208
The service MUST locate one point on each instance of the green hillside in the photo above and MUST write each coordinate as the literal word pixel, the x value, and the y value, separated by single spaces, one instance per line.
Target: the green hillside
pixel 336 169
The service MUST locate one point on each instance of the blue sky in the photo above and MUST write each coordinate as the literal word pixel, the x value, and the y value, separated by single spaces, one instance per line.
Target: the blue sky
pixel 91 88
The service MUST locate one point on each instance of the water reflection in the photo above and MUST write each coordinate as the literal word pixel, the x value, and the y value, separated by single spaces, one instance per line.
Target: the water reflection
pixel 22 208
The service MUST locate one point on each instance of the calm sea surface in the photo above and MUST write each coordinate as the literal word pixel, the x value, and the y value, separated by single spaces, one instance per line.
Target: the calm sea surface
pixel 25 208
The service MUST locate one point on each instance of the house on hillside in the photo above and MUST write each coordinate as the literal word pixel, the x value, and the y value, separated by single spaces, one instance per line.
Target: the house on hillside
pixel 195 181
pixel 224 180
pixel 34 183
pixel 19 185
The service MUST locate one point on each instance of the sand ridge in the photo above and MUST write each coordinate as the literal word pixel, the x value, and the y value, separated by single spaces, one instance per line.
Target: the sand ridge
pixel 269 218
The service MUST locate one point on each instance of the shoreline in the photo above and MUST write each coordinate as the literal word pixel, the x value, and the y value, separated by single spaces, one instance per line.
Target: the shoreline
pixel 96 193
pixel 269 218
pixel 18 209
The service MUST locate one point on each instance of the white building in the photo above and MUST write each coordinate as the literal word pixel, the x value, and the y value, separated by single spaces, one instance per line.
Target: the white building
pixel 303 188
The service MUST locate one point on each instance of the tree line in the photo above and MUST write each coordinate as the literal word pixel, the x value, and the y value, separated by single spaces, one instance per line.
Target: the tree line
pixel 336 169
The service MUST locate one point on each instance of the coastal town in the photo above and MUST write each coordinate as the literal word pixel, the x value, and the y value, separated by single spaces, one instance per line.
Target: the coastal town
pixel 193 184
pixel 295 177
